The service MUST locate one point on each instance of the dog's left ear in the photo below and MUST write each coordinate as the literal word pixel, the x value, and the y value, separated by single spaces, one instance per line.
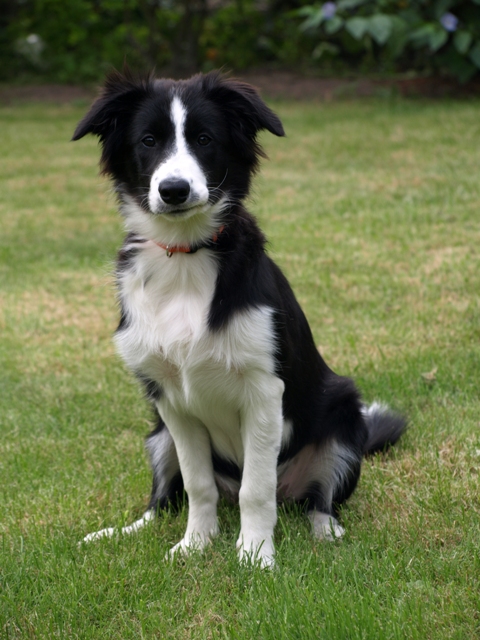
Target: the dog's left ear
pixel 246 112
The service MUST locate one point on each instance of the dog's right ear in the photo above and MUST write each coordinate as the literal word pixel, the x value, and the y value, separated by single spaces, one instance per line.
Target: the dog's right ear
pixel 110 114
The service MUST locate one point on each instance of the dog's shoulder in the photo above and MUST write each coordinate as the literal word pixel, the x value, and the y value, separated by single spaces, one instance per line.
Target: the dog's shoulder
pixel 246 274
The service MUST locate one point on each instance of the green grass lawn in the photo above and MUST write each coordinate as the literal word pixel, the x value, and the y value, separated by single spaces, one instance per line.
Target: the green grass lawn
pixel 373 211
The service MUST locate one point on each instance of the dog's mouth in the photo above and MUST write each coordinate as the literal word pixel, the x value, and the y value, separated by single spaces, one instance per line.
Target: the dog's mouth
pixel 185 211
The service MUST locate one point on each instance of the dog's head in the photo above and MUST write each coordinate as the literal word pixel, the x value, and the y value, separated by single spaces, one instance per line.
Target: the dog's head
pixel 178 151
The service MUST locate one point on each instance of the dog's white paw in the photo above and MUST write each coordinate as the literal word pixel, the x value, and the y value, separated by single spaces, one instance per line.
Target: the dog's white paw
pixel 97 535
pixel 325 526
pixel 194 543
pixel 147 517
pixel 256 552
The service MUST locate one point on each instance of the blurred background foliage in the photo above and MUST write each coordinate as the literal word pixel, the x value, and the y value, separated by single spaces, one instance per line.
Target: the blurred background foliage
pixel 78 40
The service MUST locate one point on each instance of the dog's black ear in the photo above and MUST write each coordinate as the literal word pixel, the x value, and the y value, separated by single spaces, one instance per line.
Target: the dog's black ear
pixel 110 114
pixel 245 112
pixel 243 103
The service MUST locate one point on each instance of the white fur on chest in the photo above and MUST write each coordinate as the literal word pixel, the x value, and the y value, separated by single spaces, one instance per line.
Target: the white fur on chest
pixel 166 302
pixel 205 374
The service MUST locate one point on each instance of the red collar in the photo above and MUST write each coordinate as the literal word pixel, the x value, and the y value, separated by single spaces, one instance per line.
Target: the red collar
pixel 171 249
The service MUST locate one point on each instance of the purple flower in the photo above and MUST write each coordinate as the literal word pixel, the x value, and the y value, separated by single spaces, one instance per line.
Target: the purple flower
pixel 448 21
pixel 329 9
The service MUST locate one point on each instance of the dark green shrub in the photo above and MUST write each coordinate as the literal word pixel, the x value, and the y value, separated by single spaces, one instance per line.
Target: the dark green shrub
pixel 79 39
pixel 245 34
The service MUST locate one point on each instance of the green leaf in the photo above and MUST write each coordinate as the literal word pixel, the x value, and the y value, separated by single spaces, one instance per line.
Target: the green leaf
pixel 325 48
pixel 333 25
pixel 462 41
pixel 380 28
pixel 314 19
pixel 475 54
pixel 422 35
pixel 305 12
pixel 357 27
pixel 438 39
pixel 398 38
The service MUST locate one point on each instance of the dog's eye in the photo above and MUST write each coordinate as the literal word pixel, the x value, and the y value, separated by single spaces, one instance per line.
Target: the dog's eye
pixel 203 140
pixel 148 141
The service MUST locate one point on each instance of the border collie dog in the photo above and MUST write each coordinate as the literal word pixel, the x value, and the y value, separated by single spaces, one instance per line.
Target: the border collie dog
pixel 210 326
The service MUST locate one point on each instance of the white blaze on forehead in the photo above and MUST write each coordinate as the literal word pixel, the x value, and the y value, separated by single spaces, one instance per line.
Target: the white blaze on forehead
pixel 181 164
pixel 178 114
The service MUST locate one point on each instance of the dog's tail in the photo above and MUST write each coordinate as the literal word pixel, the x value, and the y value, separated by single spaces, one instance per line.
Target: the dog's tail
pixel 384 427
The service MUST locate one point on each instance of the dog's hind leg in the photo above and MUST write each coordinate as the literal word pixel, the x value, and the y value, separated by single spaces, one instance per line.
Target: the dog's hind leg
pixel 131 528
pixel 167 483
pixel 166 486
pixel 336 475
pixel 325 526
pixel 339 456
pixel 333 478
pixel 356 430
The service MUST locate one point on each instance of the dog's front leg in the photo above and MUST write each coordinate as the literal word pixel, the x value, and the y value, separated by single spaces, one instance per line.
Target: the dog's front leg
pixel 192 443
pixel 261 425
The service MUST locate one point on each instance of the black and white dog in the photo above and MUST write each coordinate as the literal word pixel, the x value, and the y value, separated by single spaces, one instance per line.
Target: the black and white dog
pixel 209 324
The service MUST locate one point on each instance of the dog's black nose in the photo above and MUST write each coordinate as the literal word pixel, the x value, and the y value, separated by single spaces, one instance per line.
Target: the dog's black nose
pixel 174 191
